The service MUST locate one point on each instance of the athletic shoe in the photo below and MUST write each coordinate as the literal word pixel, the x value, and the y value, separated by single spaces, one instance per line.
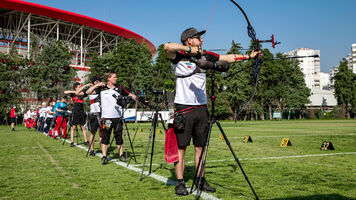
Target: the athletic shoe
pixel 86 143
pixel 72 144
pixel 104 160
pixel 204 186
pixel 92 153
pixel 181 190
pixel 122 158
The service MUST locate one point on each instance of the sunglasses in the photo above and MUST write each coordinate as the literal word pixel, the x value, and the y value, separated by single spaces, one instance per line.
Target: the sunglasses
pixel 197 37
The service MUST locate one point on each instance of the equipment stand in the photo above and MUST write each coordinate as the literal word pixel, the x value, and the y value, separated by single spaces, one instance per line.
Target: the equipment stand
pixel 152 131
pixel 133 140
pixel 203 155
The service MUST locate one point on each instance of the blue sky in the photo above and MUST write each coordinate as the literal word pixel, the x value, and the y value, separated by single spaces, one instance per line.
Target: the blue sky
pixel 327 25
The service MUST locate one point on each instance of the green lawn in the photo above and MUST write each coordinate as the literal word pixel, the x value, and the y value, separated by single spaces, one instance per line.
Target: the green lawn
pixel 34 166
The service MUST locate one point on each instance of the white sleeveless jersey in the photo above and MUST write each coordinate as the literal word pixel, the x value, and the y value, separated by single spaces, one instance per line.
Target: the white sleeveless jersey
pixel 189 90
pixel 94 106
pixel 109 107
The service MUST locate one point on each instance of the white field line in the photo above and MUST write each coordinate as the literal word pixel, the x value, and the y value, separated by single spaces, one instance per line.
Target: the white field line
pixel 270 158
pixel 267 136
pixel 160 178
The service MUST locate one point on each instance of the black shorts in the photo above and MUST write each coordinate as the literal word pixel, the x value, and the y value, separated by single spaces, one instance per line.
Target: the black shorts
pixel 12 120
pixel 94 122
pixel 78 118
pixel 196 125
pixel 116 125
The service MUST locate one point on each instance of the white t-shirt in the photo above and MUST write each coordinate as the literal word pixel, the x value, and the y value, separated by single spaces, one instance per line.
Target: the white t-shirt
pixel 42 112
pixel 28 114
pixel 25 116
pixel 33 115
pixel 49 109
pixel 189 90
pixel 95 106
pixel 109 107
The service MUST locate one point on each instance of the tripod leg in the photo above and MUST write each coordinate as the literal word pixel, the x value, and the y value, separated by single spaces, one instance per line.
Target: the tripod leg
pixel 236 159
pixel 201 164
pixel 123 129
pixel 162 122
pixel 109 149
pixel 133 140
pixel 153 139
pixel 148 146
pixel 132 149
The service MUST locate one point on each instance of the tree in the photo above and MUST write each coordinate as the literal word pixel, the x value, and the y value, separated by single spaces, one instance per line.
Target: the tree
pixel 132 62
pixel 282 84
pixel 164 74
pixel 51 73
pixel 234 91
pixel 344 88
pixel 11 70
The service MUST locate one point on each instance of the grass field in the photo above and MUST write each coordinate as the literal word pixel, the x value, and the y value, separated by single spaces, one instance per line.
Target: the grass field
pixel 34 166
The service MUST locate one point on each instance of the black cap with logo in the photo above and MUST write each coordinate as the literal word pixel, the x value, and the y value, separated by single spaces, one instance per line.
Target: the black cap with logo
pixel 95 78
pixel 189 33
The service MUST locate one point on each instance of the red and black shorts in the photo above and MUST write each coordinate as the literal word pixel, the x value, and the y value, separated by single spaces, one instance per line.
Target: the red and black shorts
pixel 196 125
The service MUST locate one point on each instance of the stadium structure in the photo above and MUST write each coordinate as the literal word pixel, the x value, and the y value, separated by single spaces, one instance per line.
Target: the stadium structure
pixel 82 34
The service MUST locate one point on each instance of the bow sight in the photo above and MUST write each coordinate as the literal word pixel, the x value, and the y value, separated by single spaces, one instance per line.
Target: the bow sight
pixel 274 43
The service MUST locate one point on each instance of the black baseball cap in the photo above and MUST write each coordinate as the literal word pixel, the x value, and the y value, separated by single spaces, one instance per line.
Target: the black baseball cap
pixel 95 78
pixel 189 33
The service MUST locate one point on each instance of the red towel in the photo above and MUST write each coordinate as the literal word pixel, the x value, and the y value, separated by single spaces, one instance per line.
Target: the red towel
pixel 171 147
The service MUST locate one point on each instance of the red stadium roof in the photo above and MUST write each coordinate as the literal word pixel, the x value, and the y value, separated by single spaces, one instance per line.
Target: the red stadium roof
pixel 75 18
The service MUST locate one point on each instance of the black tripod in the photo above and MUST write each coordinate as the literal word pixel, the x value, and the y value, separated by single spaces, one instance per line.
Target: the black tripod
pixel 133 139
pixel 202 157
pixel 125 131
pixel 152 131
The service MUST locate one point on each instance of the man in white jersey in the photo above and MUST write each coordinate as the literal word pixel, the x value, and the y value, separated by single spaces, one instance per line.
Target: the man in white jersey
pixel 42 115
pixel 111 112
pixel 191 99
pixel 25 118
pixel 94 115
pixel 49 117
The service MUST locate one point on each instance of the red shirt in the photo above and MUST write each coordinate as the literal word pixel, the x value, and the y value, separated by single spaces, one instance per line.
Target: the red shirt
pixel 12 112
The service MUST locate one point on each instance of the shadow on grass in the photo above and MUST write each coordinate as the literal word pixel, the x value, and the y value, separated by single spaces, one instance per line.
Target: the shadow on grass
pixel 317 197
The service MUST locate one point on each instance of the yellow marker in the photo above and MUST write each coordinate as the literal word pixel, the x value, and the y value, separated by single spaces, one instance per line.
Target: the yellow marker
pixel 327 145
pixel 221 136
pixel 286 142
pixel 247 139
